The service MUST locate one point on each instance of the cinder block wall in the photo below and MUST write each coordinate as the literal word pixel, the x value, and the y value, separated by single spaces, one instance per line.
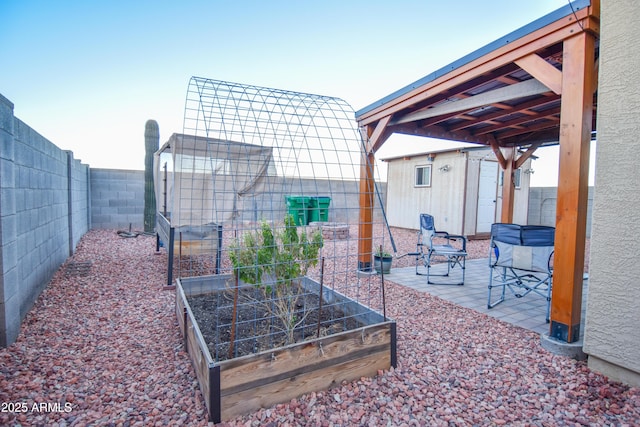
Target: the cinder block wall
pixel 117 199
pixel 542 207
pixel 42 215
pixel 80 199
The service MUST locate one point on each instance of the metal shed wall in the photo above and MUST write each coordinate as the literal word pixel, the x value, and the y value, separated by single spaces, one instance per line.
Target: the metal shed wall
pixel 452 197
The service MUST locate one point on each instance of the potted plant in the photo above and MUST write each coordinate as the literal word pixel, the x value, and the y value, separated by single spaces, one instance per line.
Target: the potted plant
pixel 382 261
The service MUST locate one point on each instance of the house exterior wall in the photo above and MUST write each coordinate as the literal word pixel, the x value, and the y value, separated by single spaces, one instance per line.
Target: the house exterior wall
pixel 612 336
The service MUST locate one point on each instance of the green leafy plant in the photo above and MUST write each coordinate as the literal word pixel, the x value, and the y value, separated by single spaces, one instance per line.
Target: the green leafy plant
pixel 275 261
pixel 381 253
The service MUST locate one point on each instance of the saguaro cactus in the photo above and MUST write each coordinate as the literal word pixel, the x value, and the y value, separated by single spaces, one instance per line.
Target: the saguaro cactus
pixel 151 144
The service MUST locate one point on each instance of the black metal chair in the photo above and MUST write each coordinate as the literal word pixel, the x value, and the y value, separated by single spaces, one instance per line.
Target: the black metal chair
pixel 520 258
pixel 437 247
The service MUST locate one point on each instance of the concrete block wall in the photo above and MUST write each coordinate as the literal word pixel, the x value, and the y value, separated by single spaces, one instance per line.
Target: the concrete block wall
pixel 344 205
pixel 9 280
pixel 542 207
pixel 117 199
pixel 44 196
pixel 79 181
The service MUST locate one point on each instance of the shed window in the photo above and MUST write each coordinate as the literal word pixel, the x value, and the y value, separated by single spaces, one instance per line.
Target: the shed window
pixel 517 176
pixel 423 176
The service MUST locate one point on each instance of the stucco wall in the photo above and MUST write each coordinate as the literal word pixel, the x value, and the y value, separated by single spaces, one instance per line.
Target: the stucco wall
pixel 612 335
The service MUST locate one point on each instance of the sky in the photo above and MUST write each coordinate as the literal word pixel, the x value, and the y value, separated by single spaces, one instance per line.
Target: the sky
pixel 87 75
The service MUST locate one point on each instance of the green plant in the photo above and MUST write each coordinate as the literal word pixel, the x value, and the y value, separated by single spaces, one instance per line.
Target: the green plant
pixel 381 253
pixel 151 144
pixel 274 261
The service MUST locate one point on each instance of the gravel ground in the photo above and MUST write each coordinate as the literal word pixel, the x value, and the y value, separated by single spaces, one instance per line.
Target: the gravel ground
pixel 104 349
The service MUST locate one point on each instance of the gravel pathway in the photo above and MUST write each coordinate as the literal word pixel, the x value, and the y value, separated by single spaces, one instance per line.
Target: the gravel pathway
pixel 101 347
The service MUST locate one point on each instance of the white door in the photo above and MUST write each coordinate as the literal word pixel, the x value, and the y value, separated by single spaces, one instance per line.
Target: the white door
pixel 487 191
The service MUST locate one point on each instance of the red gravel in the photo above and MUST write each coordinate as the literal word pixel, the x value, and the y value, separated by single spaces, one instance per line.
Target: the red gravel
pixel 107 344
pixel 106 349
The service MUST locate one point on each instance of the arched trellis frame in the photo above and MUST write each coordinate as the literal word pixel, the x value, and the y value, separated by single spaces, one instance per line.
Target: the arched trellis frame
pixel 250 156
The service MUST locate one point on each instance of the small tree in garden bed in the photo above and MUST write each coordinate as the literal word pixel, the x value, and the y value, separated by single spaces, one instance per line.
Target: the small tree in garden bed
pixel 275 261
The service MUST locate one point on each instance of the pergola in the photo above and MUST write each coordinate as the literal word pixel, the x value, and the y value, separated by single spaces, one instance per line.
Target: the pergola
pixel 533 87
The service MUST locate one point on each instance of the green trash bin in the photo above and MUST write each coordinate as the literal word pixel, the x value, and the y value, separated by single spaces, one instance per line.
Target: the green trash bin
pixel 298 207
pixel 320 209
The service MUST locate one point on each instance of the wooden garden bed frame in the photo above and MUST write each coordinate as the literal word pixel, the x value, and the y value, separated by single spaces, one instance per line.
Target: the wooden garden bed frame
pixel 239 386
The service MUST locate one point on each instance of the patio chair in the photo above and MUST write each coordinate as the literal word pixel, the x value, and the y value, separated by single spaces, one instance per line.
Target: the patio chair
pixel 436 247
pixel 520 258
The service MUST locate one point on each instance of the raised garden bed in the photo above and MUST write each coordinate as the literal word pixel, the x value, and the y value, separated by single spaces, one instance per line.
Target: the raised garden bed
pixel 246 383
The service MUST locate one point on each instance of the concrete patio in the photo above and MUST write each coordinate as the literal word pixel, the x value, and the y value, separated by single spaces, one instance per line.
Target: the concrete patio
pixel 528 312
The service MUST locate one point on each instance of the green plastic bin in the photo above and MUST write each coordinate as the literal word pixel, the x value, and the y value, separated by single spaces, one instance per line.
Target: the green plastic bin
pixel 320 209
pixel 298 207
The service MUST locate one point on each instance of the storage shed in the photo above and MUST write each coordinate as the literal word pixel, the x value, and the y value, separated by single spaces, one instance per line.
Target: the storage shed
pixel 461 188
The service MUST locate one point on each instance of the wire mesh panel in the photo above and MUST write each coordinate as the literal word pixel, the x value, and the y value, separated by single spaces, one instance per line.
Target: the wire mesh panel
pixel 263 189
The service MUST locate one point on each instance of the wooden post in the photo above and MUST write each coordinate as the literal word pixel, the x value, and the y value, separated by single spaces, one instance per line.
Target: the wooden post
pixel 365 226
pixel 578 74
pixel 508 187
pixel 372 138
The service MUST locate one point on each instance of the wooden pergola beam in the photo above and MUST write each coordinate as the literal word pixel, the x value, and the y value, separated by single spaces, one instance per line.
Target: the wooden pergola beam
pixel 518 121
pixel 519 90
pixel 527 154
pixel 542 71
pixel 509 164
pixel 522 108
pixel 379 136
pixel 498 153
pixel 508 185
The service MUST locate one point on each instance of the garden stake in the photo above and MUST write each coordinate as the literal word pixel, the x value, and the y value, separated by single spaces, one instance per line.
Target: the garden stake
pixel 384 305
pixel 180 254
pixel 321 286
pixel 232 340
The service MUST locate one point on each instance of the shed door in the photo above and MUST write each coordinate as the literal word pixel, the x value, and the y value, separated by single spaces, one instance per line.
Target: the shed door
pixel 487 191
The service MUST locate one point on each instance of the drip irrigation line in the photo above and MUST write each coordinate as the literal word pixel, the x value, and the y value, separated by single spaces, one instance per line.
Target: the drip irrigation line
pixel 132 234
pixel 127 234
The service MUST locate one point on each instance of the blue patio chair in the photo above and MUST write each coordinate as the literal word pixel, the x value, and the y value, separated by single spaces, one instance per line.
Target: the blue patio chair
pixel 520 258
pixel 437 247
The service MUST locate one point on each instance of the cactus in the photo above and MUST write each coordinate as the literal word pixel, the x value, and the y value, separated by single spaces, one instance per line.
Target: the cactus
pixel 151 144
